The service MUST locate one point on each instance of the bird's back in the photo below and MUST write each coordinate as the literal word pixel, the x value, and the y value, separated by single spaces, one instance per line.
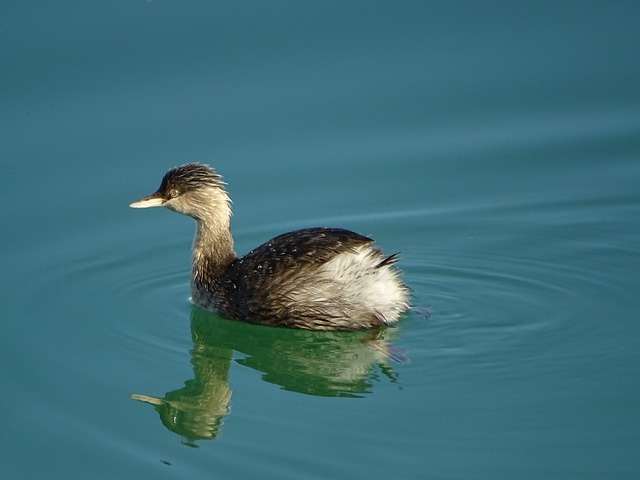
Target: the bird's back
pixel 315 278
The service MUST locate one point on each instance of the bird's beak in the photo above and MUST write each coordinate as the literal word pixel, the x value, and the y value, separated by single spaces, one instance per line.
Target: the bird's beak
pixel 147 399
pixel 153 200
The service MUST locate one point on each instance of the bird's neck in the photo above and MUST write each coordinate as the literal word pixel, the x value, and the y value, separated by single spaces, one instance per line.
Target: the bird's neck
pixel 212 250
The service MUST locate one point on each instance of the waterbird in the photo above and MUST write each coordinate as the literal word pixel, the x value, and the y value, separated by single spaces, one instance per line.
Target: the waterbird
pixel 316 278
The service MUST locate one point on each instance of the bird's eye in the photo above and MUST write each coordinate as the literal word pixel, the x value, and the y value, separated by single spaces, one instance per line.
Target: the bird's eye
pixel 173 193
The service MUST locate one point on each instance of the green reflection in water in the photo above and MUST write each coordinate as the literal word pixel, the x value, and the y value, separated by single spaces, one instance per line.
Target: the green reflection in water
pixel 330 364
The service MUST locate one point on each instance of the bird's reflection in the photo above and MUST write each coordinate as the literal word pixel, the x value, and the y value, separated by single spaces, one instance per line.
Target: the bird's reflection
pixel 315 363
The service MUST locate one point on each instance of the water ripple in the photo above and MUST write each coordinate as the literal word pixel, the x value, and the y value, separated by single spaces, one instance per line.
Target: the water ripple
pixel 514 278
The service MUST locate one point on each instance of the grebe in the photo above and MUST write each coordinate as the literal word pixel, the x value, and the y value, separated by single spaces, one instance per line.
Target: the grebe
pixel 315 278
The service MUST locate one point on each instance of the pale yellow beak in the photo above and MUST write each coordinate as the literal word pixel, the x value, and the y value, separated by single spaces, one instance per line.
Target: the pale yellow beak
pixel 153 200
pixel 147 398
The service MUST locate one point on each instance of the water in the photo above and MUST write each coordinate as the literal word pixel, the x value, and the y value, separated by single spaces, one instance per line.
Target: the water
pixel 497 146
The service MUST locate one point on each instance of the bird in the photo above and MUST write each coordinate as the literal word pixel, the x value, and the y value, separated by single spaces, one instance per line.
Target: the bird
pixel 318 278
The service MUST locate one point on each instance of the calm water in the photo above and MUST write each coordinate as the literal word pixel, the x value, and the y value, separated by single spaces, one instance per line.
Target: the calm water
pixel 496 145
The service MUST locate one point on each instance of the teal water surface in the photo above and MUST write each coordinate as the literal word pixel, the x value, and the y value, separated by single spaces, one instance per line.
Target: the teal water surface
pixel 495 145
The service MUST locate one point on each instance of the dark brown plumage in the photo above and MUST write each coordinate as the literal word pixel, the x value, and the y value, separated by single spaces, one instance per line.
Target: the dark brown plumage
pixel 316 278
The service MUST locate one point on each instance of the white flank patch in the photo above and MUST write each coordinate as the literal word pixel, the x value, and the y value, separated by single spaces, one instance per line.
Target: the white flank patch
pixel 380 289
